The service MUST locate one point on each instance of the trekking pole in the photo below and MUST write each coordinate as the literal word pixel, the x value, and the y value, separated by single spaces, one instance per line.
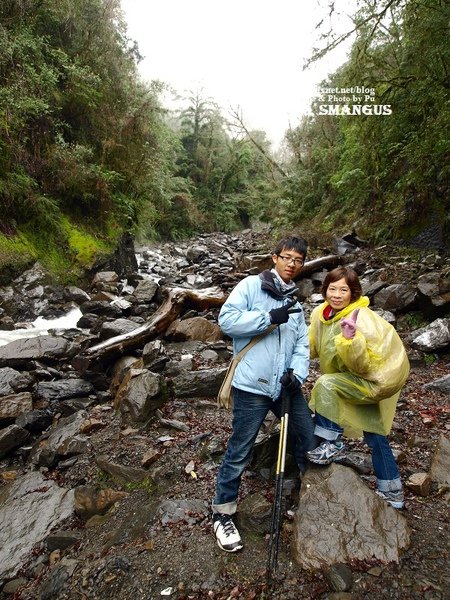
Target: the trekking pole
pixel 274 541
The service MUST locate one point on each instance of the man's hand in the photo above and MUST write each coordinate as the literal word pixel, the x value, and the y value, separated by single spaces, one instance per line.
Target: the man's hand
pixel 281 315
pixel 290 382
pixel 348 325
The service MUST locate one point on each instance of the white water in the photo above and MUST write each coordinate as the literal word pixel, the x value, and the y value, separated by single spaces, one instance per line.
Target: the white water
pixel 41 326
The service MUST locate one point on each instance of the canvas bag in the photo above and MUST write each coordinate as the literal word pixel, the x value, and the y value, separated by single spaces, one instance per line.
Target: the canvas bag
pixel 225 395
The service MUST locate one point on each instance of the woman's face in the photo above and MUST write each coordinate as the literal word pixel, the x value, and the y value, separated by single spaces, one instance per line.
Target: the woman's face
pixel 338 294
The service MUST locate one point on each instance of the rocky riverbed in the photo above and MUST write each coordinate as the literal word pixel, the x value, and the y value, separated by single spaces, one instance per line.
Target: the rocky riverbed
pixel 110 437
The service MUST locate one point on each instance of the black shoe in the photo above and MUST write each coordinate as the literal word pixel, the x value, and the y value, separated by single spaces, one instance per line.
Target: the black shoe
pixel 227 535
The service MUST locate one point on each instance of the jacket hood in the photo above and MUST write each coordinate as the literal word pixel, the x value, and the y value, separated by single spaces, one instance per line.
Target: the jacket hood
pixel 360 303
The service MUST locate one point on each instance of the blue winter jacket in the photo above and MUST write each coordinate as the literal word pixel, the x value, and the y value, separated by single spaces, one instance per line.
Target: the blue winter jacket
pixel 246 314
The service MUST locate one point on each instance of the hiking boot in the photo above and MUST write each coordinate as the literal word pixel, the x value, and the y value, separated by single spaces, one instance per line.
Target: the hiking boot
pixel 227 535
pixel 395 499
pixel 326 453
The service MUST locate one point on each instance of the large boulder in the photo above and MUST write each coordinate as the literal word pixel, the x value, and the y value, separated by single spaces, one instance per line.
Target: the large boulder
pixel 140 394
pixel 340 519
pixel 396 298
pixel 196 328
pixel 434 337
pixel 45 348
pixel 64 440
pixel 434 294
pixel 13 381
pixel 198 384
pixel 29 509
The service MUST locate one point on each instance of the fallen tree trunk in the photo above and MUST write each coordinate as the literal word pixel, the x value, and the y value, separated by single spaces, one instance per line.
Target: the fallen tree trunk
pixel 324 262
pixel 178 298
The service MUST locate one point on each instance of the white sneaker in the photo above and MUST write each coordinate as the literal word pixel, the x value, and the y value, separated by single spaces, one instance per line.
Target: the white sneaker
pixel 227 535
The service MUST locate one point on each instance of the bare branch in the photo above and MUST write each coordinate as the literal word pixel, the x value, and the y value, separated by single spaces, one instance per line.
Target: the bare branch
pixel 377 16
pixel 236 114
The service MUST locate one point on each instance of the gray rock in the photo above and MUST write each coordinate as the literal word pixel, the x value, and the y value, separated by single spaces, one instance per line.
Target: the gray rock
pixel 122 473
pixel 255 514
pixel 110 329
pixel 197 328
pixel 12 381
pixel 173 424
pixel 201 383
pixel 306 288
pixel 434 337
pixel 58 581
pixel 60 540
pixel 10 438
pixel 45 452
pixel 15 405
pixel 140 394
pixel 45 348
pixel 371 289
pixel 340 519
pixel 342 247
pixel 196 253
pixel 254 261
pixel 35 421
pixel 396 298
pixel 340 577
pixel 188 511
pixel 54 391
pixel 440 463
pixel 440 385
pixel 71 292
pixel 145 290
pixel 108 277
pixel 30 508
pixel 100 308
pixel 434 294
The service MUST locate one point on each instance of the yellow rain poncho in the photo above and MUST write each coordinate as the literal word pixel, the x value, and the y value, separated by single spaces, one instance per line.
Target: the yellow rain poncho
pixel 362 377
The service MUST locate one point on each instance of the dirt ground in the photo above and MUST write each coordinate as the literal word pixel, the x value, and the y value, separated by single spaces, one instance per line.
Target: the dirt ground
pixel 132 554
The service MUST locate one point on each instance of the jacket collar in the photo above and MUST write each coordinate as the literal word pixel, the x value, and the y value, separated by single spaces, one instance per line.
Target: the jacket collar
pixel 273 285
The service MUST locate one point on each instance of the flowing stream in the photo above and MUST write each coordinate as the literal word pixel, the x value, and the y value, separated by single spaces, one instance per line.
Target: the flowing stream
pixel 41 326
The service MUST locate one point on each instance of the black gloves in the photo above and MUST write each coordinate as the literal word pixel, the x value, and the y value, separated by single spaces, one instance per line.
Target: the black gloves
pixel 280 315
pixel 290 382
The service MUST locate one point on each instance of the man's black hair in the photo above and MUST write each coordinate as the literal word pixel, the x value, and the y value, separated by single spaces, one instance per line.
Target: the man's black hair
pixel 292 243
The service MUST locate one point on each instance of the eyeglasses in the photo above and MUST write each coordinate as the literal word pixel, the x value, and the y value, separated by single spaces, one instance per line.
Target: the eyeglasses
pixel 298 262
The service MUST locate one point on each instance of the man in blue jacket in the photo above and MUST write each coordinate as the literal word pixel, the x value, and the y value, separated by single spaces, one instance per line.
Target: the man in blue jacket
pixel 254 304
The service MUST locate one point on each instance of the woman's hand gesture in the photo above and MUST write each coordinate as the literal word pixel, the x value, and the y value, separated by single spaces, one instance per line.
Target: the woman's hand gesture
pixel 348 325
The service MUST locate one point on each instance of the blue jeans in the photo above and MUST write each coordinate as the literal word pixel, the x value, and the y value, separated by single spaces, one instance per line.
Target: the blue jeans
pixel 383 461
pixel 249 412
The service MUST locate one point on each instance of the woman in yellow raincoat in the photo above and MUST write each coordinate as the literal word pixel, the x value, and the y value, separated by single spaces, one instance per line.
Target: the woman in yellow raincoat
pixel 364 366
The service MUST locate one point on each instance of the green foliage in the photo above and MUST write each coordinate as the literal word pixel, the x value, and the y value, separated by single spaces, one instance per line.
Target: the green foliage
pixel 386 174
pixel 83 246
pixel 105 479
pixel 429 359
pixel 414 320
pixel 80 135
pixel 145 484
pixel 16 255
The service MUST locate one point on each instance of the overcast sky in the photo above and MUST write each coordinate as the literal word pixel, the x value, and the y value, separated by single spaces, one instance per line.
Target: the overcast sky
pixel 246 53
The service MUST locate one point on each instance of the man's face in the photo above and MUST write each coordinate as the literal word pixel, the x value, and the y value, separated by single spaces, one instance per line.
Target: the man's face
pixel 288 264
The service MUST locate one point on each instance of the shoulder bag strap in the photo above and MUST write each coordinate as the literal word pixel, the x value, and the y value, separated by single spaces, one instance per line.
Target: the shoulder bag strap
pixel 254 341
